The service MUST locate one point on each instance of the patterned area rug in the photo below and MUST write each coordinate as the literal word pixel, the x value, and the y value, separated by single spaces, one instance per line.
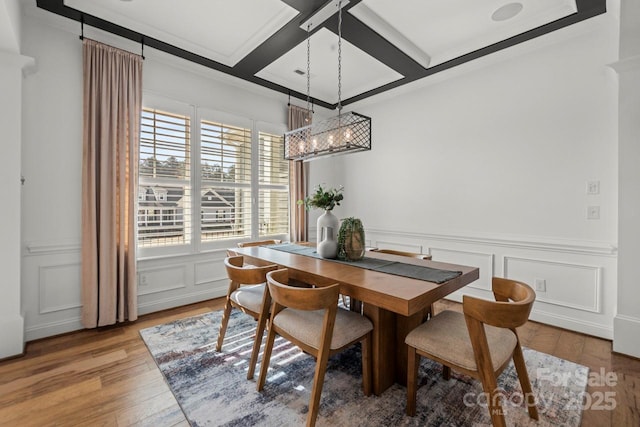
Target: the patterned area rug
pixel 212 388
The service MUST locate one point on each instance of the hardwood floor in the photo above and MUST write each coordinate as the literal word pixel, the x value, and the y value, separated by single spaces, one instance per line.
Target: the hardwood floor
pixel 108 378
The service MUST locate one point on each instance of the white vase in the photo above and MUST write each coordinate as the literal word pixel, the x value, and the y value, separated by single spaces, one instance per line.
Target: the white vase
pixel 328 246
pixel 327 219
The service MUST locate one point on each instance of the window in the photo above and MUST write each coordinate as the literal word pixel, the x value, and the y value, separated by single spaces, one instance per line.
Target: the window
pixel 230 171
pixel 225 177
pixel 273 186
pixel 165 171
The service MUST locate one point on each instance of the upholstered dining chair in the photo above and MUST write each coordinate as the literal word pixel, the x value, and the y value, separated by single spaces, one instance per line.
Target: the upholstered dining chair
pixel 401 253
pixel 247 293
pixel 479 342
pixel 310 319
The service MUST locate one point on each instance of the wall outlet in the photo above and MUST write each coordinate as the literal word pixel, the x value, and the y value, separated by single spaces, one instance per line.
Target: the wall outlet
pixel 143 279
pixel 593 212
pixel 541 285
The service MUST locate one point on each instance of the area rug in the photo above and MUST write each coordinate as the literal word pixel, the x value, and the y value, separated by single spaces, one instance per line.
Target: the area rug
pixel 212 389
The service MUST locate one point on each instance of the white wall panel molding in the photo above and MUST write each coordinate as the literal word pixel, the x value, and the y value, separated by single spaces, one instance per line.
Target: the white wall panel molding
pixel 567 284
pixel 152 280
pixel 211 271
pixel 482 260
pixel 59 287
pixel 627 64
pixel 49 248
pixel 535 243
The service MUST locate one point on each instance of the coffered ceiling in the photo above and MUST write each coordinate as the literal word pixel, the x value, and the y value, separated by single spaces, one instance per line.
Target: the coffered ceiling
pixel 386 43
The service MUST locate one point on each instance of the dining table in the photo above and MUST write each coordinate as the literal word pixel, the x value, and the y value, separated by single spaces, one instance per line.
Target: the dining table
pixel 394 302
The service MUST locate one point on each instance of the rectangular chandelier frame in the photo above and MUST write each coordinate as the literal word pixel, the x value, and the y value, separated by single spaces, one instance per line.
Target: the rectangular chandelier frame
pixel 345 133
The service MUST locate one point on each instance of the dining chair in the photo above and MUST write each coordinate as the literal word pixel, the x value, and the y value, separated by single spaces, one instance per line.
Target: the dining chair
pixel 258 243
pixel 401 253
pixel 430 310
pixel 310 319
pixel 247 293
pixel 478 342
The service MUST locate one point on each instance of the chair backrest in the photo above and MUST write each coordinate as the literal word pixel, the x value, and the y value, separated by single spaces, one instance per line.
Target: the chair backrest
pixel 319 298
pixel 258 243
pixel 401 253
pixel 514 301
pixel 246 276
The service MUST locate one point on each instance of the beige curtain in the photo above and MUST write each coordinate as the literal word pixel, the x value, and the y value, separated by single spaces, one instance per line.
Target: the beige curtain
pixel 112 108
pixel 298 117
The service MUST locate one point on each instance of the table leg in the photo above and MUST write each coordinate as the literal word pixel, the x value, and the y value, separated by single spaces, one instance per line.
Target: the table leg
pixel 383 347
pixel 404 325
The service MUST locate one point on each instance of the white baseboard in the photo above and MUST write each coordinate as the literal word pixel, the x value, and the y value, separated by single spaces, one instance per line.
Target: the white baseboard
pixel 12 332
pixel 625 338
pixel 53 328
pixel 177 301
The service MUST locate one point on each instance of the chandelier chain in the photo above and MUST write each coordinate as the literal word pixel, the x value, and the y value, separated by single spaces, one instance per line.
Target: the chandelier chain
pixel 339 57
pixel 309 72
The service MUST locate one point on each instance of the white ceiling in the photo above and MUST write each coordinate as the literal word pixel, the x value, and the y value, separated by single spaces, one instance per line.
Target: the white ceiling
pixel 239 34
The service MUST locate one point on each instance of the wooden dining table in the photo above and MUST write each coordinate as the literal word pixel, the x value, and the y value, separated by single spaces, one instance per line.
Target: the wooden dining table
pixel 394 304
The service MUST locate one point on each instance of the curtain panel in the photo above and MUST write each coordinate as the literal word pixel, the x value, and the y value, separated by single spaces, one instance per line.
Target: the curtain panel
pixel 298 117
pixel 112 103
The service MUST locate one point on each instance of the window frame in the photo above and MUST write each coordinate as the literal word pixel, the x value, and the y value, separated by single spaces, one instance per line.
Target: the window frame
pixel 196 114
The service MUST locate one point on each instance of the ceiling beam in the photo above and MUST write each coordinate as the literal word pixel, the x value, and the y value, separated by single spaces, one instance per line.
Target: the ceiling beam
pixel 353 30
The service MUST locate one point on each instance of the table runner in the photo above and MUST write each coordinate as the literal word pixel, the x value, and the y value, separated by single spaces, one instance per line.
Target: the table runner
pixel 412 271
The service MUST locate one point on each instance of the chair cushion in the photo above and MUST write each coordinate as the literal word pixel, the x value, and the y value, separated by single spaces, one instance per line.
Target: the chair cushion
pixel 307 326
pixel 446 336
pixel 249 296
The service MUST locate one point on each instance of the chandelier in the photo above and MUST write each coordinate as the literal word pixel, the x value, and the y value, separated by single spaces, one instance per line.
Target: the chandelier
pixel 344 133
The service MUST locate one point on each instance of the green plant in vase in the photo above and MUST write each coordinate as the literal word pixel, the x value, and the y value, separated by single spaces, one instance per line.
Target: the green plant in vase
pixel 325 199
pixel 351 240
pixel 327 224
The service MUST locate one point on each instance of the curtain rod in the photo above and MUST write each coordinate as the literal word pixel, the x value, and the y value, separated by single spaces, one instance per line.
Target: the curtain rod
pixel 82 37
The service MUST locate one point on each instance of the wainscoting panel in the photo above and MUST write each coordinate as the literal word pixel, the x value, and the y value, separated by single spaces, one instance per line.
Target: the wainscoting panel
pixel 210 271
pixel 154 280
pixel 560 283
pixel 475 259
pixel 51 285
pixel 579 277
pixel 58 287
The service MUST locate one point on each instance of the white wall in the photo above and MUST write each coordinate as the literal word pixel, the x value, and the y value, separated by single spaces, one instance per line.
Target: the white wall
pixel 52 153
pixel 484 165
pixel 627 321
pixel 12 66
pixel 488 165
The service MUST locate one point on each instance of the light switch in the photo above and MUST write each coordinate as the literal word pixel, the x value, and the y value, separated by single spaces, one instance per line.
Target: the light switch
pixel 593 187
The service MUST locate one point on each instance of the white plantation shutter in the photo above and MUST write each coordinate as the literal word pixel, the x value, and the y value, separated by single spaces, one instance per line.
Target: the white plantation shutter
pixel 225 176
pixel 273 184
pixel 164 194
pixel 208 179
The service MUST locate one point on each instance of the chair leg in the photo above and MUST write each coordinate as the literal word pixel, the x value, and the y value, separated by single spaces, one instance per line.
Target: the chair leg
pixel 366 364
pixel 490 386
pixel 523 376
pixel 262 321
pixel 266 357
pixel 318 382
pixel 412 380
pixel 224 323
pixel 446 372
